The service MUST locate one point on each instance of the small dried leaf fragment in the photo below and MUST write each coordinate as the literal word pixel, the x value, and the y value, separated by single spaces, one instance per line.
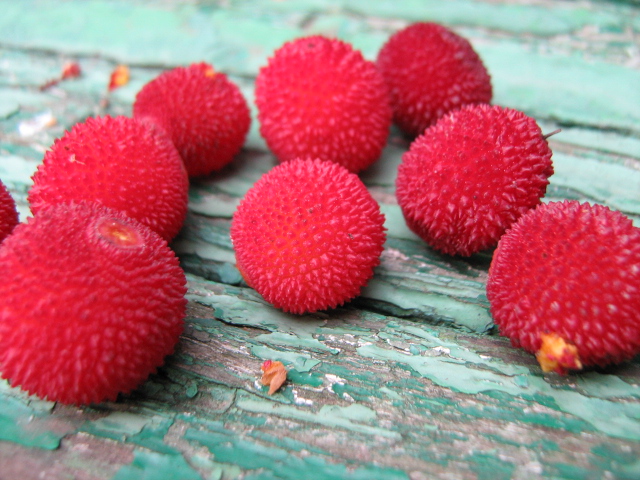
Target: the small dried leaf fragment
pixel 119 77
pixel 274 375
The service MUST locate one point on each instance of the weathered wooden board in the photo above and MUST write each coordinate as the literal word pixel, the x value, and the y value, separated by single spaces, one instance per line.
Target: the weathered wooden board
pixel 411 379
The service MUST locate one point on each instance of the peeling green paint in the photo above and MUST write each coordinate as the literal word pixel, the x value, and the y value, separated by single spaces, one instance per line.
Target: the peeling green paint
pixel 427 304
pixel 289 339
pixel 301 363
pixel 565 88
pixel 120 424
pixel 151 465
pixel 489 467
pixel 620 420
pixel 623 462
pixel 385 372
pixel 274 462
pixel 304 378
pixel 595 384
pixel 570 472
pixel 616 185
pixel 328 415
pixel 17 420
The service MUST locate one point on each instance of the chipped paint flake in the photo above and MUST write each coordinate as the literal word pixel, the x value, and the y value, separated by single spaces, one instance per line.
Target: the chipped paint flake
pixel 36 124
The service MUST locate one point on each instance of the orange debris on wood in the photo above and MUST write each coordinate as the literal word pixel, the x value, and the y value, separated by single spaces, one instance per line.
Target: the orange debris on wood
pixel 557 355
pixel 274 375
pixel 69 70
pixel 119 77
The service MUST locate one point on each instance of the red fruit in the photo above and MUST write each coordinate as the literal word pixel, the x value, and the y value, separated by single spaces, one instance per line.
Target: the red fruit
pixel 470 176
pixel 92 302
pixel 120 163
pixel 318 97
pixel 8 213
pixel 565 282
pixel 430 71
pixel 307 236
pixel 202 111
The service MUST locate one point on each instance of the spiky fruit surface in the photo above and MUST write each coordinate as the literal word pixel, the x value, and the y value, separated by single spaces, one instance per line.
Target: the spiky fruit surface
pixel 203 112
pixel 470 176
pixel 569 270
pixel 120 163
pixel 8 213
pixel 92 302
pixel 319 97
pixel 431 70
pixel 307 236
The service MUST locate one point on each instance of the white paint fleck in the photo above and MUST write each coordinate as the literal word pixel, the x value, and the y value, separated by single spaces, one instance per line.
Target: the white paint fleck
pixel 81 447
pixel 442 350
pixel 31 126
pixel 333 379
pixel 300 400
pixel 534 467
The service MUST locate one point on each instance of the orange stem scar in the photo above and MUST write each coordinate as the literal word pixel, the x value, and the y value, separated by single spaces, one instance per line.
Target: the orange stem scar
pixel 557 355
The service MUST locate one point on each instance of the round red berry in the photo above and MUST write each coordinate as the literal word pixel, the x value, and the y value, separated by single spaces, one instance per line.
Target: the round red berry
pixel 203 112
pixel 319 97
pixel 120 163
pixel 430 70
pixel 308 235
pixel 569 273
pixel 92 302
pixel 8 213
pixel 471 175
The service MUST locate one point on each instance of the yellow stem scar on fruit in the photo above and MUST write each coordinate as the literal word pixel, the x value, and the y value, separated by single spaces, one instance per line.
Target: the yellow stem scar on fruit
pixel 557 355
pixel 118 232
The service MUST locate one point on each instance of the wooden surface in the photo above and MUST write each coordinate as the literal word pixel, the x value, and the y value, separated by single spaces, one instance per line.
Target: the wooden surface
pixel 410 381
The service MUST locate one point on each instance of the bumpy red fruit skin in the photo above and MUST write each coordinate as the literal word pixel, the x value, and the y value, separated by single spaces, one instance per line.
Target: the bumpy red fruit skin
pixel 430 70
pixel 92 302
pixel 8 213
pixel 318 97
pixel 308 235
pixel 573 270
pixel 470 176
pixel 203 112
pixel 120 163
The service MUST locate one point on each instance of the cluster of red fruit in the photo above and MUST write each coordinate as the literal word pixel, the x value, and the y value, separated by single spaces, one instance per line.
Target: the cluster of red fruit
pixel 93 298
pixel 565 279
pixel 109 293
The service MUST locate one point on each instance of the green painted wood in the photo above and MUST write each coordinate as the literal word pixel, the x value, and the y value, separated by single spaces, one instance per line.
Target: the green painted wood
pixel 409 381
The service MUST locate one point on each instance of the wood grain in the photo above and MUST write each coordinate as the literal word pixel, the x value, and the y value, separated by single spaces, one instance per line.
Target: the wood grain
pixel 409 381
